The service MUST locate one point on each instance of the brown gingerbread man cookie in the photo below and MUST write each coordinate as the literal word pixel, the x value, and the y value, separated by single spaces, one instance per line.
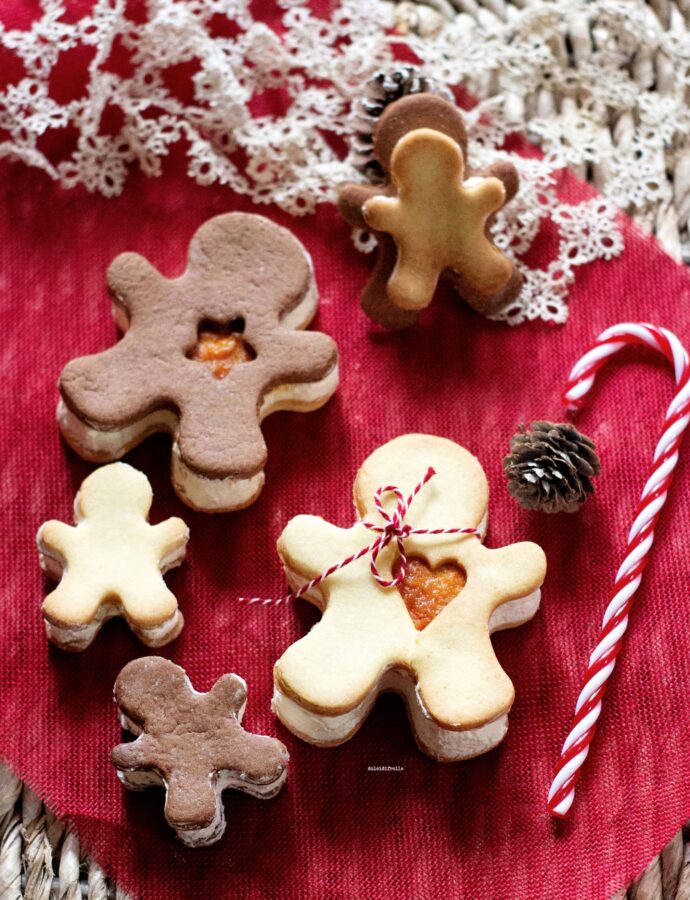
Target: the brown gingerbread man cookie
pixel 432 215
pixel 193 744
pixel 205 357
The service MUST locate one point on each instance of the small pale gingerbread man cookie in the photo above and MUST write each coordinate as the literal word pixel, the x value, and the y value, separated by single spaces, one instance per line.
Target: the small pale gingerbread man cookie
pixel 429 639
pixel 438 221
pixel 111 563
pixel 193 744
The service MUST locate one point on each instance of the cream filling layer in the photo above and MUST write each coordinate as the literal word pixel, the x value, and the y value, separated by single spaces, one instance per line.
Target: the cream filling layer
pixel 78 637
pixel 198 490
pixel 447 744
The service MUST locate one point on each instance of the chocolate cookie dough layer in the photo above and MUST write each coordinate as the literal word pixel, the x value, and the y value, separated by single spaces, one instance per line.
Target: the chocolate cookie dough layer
pixel 246 277
pixel 193 744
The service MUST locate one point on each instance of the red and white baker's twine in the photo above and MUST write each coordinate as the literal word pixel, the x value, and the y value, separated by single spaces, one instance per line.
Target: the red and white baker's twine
pixel 394 528
pixel 640 539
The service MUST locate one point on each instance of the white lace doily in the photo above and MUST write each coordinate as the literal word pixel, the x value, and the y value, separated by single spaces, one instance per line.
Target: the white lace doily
pixel 603 85
pixel 288 159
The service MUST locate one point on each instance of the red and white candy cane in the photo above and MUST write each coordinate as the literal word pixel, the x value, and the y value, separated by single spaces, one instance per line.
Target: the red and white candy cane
pixel 640 539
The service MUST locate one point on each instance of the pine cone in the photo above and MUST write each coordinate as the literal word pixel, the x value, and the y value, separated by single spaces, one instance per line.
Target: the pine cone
pixel 382 89
pixel 550 467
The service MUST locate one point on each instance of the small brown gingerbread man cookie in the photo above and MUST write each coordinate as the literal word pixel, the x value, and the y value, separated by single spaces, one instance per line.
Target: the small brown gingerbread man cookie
pixel 432 216
pixel 193 744
pixel 205 357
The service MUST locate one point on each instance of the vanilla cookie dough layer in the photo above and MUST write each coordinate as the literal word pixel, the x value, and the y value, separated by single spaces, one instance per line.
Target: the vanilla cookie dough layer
pixel 111 562
pixel 326 682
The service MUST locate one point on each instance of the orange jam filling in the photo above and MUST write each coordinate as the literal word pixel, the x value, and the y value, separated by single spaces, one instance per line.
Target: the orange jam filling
pixel 426 591
pixel 221 352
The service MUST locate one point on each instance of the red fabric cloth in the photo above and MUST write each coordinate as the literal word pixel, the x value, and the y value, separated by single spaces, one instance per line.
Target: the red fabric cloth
pixel 476 829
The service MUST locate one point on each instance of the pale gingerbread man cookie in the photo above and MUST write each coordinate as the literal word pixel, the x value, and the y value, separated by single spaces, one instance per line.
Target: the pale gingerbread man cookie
pixel 400 118
pixel 438 221
pixel 429 639
pixel 111 563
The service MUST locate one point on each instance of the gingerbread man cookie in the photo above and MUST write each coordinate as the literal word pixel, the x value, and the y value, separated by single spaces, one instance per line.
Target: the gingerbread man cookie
pixel 205 357
pixel 437 221
pixel 193 744
pixel 111 563
pixel 432 216
pixel 429 639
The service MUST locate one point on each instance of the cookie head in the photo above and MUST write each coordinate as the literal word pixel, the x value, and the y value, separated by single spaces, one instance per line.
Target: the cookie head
pixel 114 488
pixel 264 263
pixel 415 112
pixel 458 492
pixel 423 158
pixel 147 689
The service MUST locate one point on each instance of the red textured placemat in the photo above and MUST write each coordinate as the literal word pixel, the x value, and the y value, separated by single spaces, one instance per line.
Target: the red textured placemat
pixel 476 829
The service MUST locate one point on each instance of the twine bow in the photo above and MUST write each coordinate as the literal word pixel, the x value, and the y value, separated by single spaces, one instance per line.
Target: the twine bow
pixel 394 528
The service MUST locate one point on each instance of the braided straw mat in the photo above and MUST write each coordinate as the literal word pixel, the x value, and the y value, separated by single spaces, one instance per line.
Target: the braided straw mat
pixel 39 858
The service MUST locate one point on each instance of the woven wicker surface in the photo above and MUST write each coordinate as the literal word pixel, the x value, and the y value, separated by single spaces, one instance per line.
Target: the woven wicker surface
pixel 39 858
pixel 646 63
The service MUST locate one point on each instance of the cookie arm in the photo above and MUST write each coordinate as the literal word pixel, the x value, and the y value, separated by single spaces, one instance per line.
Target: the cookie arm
pixel 170 536
pixel 231 691
pixel 309 545
pixel 516 570
pixel 382 213
pixel 351 199
pixel 507 174
pixel 132 755
pixel 56 537
pixel 488 196
pixel 132 281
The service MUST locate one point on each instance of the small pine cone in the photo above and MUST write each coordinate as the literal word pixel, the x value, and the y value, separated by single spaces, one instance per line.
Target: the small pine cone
pixel 551 467
pixel 382 89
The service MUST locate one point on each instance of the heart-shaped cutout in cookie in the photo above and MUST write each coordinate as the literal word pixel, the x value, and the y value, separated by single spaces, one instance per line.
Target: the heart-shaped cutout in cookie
pixel 222 347
pixel 426 591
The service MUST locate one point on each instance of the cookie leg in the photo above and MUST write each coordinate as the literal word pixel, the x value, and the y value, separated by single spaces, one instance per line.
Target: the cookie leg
pixel 194 808
pixel 413 282
pixel 494 304
pixel 72 619
pixel 325 700
pixel 151 611
pixel 375 300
